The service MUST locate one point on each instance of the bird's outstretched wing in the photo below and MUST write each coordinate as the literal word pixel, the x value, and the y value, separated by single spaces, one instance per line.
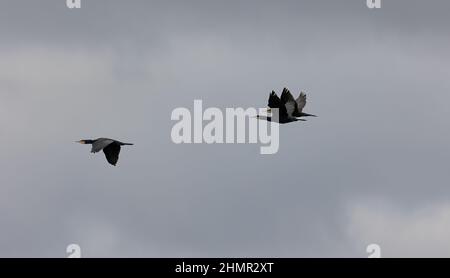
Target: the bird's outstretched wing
pixel 100 144
pixel 112 153
pixel 275 102
pixel 289 102
pixel 301 102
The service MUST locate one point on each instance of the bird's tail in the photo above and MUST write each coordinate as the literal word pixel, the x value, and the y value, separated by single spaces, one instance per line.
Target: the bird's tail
pixel 307 115
pixel 128 144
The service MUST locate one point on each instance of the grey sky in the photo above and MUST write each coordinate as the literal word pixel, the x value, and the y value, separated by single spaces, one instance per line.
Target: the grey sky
pixel 372 168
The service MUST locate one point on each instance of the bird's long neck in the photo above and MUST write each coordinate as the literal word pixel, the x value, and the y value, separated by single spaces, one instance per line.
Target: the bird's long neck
pixel 88 141
pixel 265 118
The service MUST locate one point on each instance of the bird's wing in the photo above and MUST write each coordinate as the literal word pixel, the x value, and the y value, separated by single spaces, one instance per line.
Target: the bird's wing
pixel 275 102
pixel 301 101
pixel 289 102
pixel 112 153
pixel 100 144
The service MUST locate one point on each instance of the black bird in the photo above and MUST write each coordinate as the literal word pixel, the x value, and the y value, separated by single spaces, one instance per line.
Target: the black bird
pixel 110 147
pixel 295 105
pixel 289 109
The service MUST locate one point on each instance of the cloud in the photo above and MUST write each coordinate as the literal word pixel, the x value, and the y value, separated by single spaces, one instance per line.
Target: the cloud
pixel 418 231
pixel 377 79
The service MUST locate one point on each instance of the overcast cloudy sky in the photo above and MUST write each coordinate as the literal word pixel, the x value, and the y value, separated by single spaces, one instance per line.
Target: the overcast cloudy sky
pixel 372 168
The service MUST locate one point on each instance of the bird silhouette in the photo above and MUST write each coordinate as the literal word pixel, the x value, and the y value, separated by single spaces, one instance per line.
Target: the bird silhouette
pixel 289 109
pixel 110 147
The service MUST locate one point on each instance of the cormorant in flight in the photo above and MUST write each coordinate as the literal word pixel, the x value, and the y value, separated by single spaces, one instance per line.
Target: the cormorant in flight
pixel 110 147
pixel 289 109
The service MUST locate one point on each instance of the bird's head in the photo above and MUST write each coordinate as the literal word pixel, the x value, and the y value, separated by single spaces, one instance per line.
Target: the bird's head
pixel 84 142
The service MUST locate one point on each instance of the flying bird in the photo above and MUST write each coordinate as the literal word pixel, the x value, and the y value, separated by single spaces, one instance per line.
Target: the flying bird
pixel 110 147
pixel 289 109
pixel 295 105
